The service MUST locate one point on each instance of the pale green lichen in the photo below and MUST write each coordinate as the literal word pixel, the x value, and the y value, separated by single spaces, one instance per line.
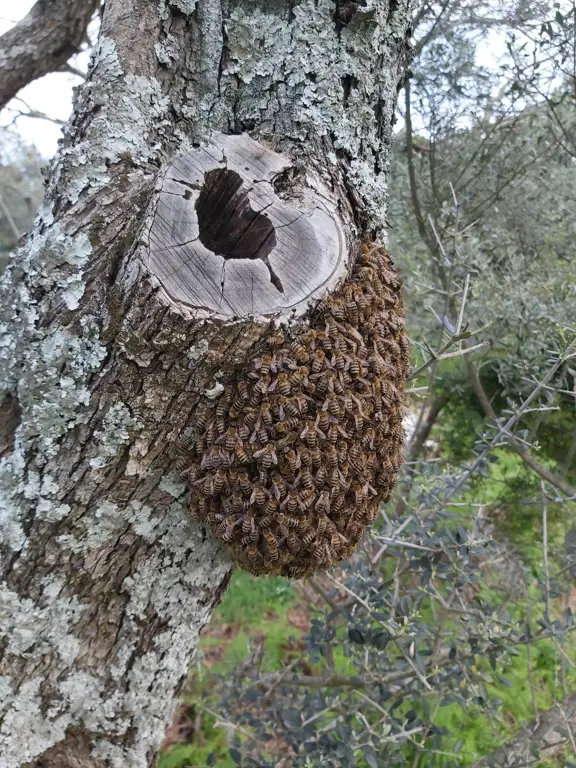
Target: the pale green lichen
pixel 307 61
pixel 113 434
pixel 33 630
pixel 121 125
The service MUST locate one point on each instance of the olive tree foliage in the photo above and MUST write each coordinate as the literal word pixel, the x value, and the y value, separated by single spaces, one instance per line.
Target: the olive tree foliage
pixel 437 607
pixel 21 189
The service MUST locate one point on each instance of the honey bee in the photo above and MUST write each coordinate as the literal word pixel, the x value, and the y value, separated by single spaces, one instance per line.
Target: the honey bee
pixel 193 471
pixel 237 502
pixel 306 498
pixel 230 439
pixel 267 456
pixel 236 410
pixel 316 457
pixel 271 507
pixel 292 459
pixel 332 405
pixel 361 301
pixel 323 420
pixel 293 542
pixel 281 384
pixel 305 457
pixel 308 537
pixel 244 482
pixel 241 455
pixel 323 503
pixel 318 550
pixel 320 476
pixel 331 456
pixel 250 418
pixel 358 495
pixel 309 434
pixel 338 361
pixel 326 343
pixel 300 404
pixel 207 485
pixel 299 376
pixel 277 339
pixel 318 361
pixel 291 407
pixel 368 438
pixel 303 525
pixel 305 478
pixel 287 426
pixel 279 486
pixel 202 506
pixel 338 502
pixel 292 522
pixel 332 434
pixel 243 433
pixel 260 434
pixel 252 554
pixel 299 352
pixel 266 414
pixel 265 364
pixel 248 524
pixel 334 479
pixel 272 544
pixel 210 435
pixel 228 532
pixel 337 309
pixel 259 390
pixel 220 480
pixel 258 496
pixel 354 452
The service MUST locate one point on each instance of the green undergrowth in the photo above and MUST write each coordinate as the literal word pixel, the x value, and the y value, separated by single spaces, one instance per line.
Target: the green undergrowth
pixel 252 610
pixel 528 683
pixel 256 611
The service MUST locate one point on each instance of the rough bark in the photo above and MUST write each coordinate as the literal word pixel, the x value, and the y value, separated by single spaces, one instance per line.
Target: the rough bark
pixel 42 42
pixel 105 579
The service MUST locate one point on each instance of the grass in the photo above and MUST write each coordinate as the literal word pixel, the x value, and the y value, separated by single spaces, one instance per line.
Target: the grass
pixel 251 606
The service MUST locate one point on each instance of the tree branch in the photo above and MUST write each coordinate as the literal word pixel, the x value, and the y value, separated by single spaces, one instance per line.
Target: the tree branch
pixel 542 732
pixel 542 471
pixel 42 42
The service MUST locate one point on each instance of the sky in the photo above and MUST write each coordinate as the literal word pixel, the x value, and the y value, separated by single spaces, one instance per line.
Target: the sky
pixel 51 94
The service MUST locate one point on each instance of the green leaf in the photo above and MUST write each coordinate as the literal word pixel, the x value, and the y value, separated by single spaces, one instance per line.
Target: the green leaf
pixel 235 755
pixel 291 718
pixel 356 636
pixel 380 640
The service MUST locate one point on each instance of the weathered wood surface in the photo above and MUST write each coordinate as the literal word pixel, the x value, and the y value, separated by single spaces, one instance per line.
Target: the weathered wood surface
pixel 223 243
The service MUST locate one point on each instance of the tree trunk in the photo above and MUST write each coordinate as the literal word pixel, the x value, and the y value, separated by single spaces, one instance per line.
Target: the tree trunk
pixel 126 310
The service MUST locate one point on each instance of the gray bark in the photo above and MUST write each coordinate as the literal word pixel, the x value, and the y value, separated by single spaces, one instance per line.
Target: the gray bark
pixel 105 580
pixel 42 42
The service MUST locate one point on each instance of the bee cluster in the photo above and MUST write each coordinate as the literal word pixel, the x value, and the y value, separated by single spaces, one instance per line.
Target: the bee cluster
pixel 289 466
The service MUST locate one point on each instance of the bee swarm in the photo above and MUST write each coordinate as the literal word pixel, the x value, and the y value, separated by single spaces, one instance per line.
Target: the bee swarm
pixel 291 463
